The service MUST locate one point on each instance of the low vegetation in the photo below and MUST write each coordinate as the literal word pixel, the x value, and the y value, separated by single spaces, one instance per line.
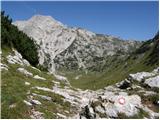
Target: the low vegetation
pixel 14 91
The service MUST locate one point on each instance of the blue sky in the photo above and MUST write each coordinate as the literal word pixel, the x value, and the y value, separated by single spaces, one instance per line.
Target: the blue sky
pixel 127 20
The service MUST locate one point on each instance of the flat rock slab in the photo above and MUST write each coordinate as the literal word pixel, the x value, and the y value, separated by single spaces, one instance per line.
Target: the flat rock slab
pixel 25 72
pixel 38 77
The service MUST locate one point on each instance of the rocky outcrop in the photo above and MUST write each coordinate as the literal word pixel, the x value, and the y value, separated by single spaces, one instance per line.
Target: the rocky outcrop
pixel 4 67
pixel 147 78
pixel 141 75
pixel 122 100
pixel 16 58
pixel 111 107
pixel 118 102
pixel 152 82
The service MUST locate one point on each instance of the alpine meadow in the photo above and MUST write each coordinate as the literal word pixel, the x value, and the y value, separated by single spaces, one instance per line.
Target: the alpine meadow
pixel 51 70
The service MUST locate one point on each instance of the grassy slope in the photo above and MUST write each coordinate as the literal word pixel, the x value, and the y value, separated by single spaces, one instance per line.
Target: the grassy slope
pixel 14 91
pixel 118 70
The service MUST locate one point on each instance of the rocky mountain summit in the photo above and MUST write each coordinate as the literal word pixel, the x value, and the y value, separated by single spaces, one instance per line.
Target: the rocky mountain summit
pixel 62 47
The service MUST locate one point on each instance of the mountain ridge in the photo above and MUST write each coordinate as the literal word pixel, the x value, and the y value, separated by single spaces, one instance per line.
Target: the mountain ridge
pixel 56 35
pixel 115 84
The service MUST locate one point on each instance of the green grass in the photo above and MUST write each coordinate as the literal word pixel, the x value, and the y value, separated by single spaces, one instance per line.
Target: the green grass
pixel 117 70
pixel 56 105
pixel 14 91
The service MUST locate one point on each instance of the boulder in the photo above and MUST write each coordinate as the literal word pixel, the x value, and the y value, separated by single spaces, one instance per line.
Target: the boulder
pixel 140 76
pixel 111 106
pixel 17 59
pixel 152 82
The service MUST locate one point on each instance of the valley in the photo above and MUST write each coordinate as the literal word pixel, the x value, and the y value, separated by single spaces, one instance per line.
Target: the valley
pixel 52 71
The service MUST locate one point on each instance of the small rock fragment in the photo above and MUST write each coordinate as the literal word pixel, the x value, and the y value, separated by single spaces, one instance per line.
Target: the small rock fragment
pixel 27 103
pixel 27 83
pixel 38 77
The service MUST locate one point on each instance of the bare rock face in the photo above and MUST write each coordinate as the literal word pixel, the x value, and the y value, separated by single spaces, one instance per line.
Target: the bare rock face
pixel 61 46
pixel 106 108
pixel 141 75
pixel 16 58
pixel 150 79
pixel 4 67
pixel 124 99
pixel 153 81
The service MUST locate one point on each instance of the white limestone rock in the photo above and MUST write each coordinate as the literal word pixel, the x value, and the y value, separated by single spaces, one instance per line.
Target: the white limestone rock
pixel 99 109
pixel 4 67
pixel 25 72
pixel 12 105
pixel 38 77
pixel 112 106
pixel 35 68
pixel 56 82
pixel 141 75
pixel 17 59
pixel 59 77
pixel 27 83
pixel 149 93
pixel 61 115
pixel 58 43
pixel 27 103
pixel 152 82
pixel 62 79
pixel 43 88
pixel 77 77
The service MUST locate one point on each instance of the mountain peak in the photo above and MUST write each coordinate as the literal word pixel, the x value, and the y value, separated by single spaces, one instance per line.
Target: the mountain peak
pixel 57 40
pixel 43 18
pixel 38 16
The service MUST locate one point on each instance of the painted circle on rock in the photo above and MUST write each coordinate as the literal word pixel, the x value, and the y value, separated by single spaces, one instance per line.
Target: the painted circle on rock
pixel 121 100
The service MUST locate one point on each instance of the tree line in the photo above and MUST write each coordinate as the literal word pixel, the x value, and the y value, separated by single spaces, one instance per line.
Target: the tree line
pixel 13 38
